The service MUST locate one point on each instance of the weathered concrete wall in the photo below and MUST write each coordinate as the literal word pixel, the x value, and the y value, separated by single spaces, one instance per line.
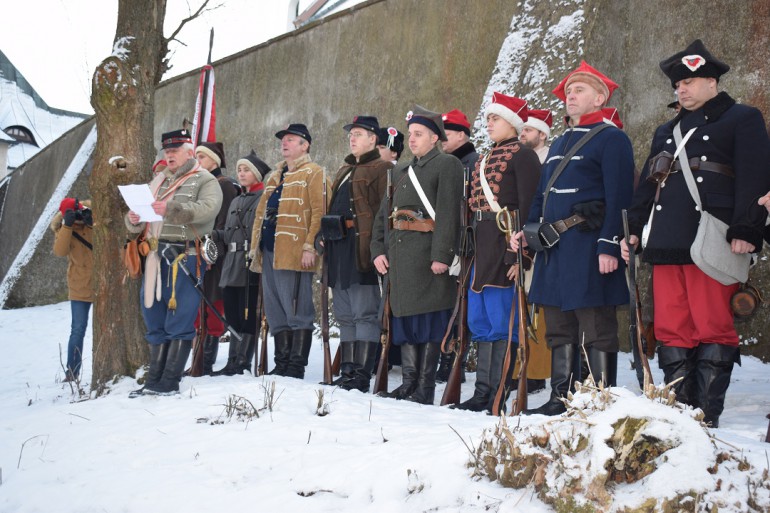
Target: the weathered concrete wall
pixel 380 58
pixel 43 280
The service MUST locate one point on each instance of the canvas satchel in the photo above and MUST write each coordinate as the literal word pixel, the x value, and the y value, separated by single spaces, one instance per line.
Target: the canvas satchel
pixel 710 250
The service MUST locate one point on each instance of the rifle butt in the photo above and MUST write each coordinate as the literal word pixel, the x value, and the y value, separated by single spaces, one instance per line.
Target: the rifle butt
pixel 454 382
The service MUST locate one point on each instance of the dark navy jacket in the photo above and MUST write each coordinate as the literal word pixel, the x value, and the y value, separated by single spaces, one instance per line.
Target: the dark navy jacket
pixel 567 275
pixel 727 133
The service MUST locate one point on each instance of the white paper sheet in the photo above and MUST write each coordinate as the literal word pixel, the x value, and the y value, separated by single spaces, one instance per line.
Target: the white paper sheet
pixel 139 198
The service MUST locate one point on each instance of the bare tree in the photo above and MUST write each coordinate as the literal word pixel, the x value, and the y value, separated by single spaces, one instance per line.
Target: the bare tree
pixel 123 97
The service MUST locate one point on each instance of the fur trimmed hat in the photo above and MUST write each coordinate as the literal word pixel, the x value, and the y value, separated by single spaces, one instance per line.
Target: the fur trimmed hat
pixel 214 150
pixel 255 165
pixel 540 119
pixel 693 61
pixel 513 110
pixel 391 138
pixel 591 76
pixel 612 116
pixel 456 120
pixel 427 118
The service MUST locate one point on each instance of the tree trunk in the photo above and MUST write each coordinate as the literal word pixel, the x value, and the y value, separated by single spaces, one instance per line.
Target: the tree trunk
pixel 123 97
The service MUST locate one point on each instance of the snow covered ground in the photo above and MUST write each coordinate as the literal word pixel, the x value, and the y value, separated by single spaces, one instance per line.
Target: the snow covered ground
pixel 116 454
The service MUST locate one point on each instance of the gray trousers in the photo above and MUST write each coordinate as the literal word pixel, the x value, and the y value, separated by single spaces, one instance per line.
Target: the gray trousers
pixel 278 295
pixel 356 309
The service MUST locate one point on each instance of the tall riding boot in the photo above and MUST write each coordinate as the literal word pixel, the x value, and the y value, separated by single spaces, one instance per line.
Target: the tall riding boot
pixel 499 348
pixel 564 361
pixel 603 366
pixel 679 362
pixel 365 353
pixel 347 363
pixel 714 367
pixel 245 358
pixel 300 350
pixel 426 382
pixel 409 363
pixel 444 367
pixel 232 355
pixel 482 388
pixel 178 352
pixel 210 351
pixel 283 340
pixel 158 353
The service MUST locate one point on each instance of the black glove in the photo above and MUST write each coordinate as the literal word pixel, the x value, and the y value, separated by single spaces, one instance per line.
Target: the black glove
pixel 69 217
pixel 88 217
pixel 593 212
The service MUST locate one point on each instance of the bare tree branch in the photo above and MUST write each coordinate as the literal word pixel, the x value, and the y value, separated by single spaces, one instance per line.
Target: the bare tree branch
pixel 185 21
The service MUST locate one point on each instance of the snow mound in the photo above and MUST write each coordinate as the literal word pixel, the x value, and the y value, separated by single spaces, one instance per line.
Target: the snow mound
pixel 616 452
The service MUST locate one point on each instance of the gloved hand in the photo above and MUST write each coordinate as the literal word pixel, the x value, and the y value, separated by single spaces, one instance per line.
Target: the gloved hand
pixel 593 212
pixel 69 217
pixel 88 217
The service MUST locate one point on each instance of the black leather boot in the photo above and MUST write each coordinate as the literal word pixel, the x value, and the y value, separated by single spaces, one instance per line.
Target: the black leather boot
pixel 429 354
pixel 158 353
pixel 444 367
pixel 564 361
pixel 409 363
pixel 210 351
pixel 533 385
pixel 714 366
pixel 245 358
pixel 499 348
pixel 482 388
pixel 679 362
pixel 365 353
pixel 300 350
pixel 232 355
pixel 178 352
pixel 282 340
pixel 347 363
pixel 603 367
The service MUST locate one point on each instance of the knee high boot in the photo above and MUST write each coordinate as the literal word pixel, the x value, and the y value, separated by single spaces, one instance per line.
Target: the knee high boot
pixel 564 361
pixel 347 363
pixel 499 348
pixel 482 388
pixel 603 367
pixel 679 362
pixel 426 382
pixel 714 366
pixel 210 351
pixel 445 367
pixel 283 341
pixel 178 352
pixel 409 373
pixel 158 353
pixel 245 358
pixel 365 352
pixel 232 355
pixel 300 350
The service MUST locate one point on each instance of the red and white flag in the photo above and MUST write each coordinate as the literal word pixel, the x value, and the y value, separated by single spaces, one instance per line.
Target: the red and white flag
pixel 205 120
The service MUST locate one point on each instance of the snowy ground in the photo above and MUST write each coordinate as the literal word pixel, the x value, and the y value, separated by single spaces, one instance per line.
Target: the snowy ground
pixel 150 454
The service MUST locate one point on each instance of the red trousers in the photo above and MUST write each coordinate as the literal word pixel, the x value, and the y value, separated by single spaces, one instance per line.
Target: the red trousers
pixel 691 307
pixel 214 326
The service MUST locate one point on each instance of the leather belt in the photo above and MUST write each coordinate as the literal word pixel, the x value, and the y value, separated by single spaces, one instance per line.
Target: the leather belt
pixel 565 224
pixel 418 225
pixel 484 215
pixel 697 164
pixel 349 224
pixel 233 247
pixel 179 246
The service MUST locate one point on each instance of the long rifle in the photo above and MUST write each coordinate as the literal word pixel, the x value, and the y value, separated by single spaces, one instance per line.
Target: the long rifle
pixel 262 368
pixel 518 309
pixel 328 378
pixel 381 377
pixel 260 357
pixel 336 362
pixel 460 317
pixel 634 306
pixel 196 368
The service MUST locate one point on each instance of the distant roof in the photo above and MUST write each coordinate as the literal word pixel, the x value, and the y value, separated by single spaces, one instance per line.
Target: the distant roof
pixel 20 105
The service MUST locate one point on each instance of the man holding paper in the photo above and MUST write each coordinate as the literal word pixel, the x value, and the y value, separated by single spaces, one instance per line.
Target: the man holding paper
pixel 187 198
